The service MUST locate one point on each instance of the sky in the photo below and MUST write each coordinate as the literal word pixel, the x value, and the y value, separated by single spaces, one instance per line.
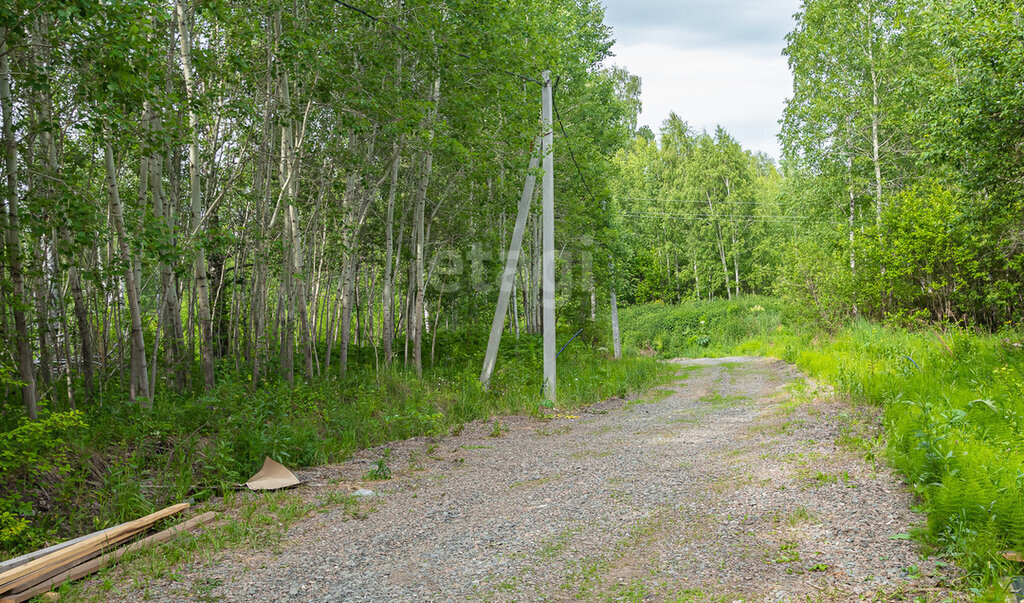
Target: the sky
pixel 713 62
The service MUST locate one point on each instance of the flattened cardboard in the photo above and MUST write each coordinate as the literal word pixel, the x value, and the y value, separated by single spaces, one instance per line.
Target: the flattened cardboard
pixel 273 476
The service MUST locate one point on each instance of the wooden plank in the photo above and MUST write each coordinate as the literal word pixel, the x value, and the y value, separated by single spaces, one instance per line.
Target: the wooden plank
pixel 90 547
pixel 94 565
pixel 1013 556
pixel 22 560
pixel 63 562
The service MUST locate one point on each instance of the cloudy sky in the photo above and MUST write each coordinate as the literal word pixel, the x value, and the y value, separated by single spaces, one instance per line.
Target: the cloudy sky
pixel 713 62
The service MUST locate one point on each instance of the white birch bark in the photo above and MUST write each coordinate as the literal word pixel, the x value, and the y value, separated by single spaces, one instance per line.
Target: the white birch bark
pixel 202 282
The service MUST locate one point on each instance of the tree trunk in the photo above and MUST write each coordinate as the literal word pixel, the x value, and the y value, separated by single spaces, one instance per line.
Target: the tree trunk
pixel 419 221
pixel 171 305
pixel 202 282
pixel 875 118
pixel 387 299
pixel 25 361
pixel 721 246
pixel 45 374
pixel 736 260
pixel 138 347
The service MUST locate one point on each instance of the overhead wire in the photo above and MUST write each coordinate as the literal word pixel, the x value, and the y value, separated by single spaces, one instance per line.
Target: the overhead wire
pixel 775 204
pixel 686 216
pixel 568 144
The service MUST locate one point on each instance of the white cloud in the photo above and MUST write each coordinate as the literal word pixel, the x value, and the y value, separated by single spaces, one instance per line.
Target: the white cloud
pixel 742 91
pixel 713 62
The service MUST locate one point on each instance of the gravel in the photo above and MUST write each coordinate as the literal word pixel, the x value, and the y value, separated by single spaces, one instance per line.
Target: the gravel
pixel 731 486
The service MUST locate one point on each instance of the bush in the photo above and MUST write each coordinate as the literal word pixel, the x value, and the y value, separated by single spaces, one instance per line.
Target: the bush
pixel 33 457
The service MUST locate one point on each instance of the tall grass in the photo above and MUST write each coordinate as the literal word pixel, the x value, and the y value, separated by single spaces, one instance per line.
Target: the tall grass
pixel 954 419
pixel 71 473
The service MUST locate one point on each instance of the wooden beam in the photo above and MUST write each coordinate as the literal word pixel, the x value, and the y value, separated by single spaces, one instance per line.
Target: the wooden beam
pixel 94 565
pixel 34 571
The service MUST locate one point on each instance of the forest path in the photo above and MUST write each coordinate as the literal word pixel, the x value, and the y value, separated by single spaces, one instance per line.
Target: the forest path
pixel 728 486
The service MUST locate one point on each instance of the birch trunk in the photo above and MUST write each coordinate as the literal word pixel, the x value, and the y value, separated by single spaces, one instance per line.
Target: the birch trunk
pixel 387 298
pixel 13 236
pixel 201 278
pixel 74 280
pixel 45 374
pixel 875 118
pixel 137 345
pixel 721 247
pixel 419 220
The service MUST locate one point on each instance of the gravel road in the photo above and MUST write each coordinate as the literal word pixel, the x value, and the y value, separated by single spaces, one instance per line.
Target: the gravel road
pixel 730 485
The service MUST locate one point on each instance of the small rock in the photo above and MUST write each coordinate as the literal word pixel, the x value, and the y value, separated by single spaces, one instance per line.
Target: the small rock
pixel 363 492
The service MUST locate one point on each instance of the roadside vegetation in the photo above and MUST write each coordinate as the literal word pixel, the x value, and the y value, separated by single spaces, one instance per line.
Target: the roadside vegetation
pixel 75 471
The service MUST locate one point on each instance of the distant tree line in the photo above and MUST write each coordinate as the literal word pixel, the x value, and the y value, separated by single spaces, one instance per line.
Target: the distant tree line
pixel 899 193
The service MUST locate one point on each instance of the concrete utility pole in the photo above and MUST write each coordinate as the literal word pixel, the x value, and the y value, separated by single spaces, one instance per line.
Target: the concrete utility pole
pixel 615 328
pixel 548 227
pixel 514 249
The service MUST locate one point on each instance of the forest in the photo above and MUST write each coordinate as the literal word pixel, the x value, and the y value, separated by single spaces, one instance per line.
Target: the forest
pixel 243 229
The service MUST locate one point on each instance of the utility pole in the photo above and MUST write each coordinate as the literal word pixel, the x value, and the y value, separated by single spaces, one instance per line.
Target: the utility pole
pixel 617 343
pixel 548 238
pixel 508 277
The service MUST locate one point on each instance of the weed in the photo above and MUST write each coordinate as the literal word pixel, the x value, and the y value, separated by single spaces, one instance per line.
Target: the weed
pixel 788 553
pixel 544 431
pixel 590 454
pixel 380 471
pixel 415 464
pixel 798 516
pixel 551 547
pixel 498 429
pixel 540 481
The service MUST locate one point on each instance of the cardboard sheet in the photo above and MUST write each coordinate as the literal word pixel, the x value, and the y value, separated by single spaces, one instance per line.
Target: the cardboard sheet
pixel 273 476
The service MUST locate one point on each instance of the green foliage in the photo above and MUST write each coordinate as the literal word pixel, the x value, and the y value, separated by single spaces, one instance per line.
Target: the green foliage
pixel 380 471
pixel 901 148
pixel 940 255
pixel 698 328
pixel 34 457
pixel 697 212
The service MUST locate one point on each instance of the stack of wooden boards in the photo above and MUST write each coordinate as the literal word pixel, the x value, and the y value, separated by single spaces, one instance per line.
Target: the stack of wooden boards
pixel 37 573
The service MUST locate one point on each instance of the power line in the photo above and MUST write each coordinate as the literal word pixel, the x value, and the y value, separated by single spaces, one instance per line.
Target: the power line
pixel 698 201
pixel 568 145
pixel 437 45
pixel 669 216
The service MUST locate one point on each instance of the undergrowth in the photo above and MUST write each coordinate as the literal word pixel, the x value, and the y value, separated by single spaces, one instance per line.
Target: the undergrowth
pixel 79 471
pixel 698 329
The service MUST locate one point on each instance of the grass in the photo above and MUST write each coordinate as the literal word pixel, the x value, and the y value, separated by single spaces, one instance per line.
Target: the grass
pixel 699 328
pixel 254 521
